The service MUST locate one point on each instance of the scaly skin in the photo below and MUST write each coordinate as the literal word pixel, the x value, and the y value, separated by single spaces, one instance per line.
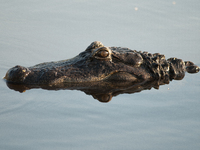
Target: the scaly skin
pixel 100 63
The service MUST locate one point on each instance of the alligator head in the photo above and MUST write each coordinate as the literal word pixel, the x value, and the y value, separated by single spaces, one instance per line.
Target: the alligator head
pixel 100 63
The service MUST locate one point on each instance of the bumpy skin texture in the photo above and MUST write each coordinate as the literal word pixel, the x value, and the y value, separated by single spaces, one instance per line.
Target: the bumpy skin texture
pixel 100 63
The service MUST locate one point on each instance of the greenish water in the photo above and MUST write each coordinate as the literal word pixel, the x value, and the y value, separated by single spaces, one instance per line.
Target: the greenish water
pixel 32 32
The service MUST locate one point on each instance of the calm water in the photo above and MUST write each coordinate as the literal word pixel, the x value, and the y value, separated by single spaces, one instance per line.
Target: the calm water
pixel 32 32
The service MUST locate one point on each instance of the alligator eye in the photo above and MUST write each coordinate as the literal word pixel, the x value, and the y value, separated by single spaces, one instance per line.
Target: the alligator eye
pixel 103 53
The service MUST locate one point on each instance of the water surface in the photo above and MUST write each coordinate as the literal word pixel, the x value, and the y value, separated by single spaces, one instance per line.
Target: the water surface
pixel 32 32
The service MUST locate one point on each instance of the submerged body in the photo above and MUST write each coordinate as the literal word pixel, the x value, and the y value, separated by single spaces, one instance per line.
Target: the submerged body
pixel 100 63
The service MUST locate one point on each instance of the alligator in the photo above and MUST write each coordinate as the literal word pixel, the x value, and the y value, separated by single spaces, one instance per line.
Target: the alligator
pixel 99 63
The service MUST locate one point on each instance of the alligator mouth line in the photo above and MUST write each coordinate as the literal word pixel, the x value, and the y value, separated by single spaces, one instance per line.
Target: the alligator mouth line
pixel 120 76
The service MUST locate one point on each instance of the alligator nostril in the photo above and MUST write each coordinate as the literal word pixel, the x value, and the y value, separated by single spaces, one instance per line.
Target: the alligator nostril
pixel 17 74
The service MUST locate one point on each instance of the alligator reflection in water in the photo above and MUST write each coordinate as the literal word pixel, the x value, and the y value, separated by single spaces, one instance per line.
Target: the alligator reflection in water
pixel 102 72
pixel 102 91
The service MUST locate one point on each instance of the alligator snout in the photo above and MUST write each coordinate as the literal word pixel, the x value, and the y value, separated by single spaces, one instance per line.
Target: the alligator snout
pixel 17 74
